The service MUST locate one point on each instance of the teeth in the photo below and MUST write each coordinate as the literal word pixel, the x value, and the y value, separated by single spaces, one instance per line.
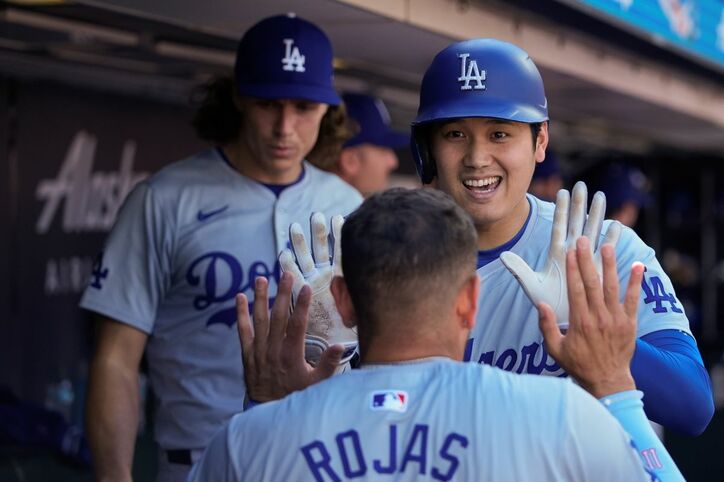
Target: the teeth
pixel 481 182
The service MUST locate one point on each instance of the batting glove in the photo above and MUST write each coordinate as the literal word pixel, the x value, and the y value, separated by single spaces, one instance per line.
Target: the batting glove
pixel 325 326
pixel 549 284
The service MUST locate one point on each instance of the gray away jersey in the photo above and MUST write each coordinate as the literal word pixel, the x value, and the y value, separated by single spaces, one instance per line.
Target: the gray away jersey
pixel 186 241
pixel 434 419
pixel 506 333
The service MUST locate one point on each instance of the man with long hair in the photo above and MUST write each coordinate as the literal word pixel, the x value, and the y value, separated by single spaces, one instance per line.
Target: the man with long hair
pixel 191 237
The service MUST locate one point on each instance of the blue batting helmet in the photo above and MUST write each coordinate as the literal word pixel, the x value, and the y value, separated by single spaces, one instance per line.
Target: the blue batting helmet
pixel 477 78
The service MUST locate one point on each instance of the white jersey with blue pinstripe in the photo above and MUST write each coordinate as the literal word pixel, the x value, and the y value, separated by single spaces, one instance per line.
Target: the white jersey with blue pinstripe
pixel 433 419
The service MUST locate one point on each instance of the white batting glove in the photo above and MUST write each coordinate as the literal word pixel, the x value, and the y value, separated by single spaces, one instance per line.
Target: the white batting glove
pixel 549 284
pixel 325 326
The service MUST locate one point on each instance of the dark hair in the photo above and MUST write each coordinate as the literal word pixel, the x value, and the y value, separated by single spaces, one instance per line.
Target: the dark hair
pixel 218 120
pixel 402 246
pixel 334 131
pixel 535 130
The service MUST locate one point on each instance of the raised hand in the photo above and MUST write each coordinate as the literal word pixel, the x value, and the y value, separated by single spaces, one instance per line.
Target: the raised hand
pixel 569 223
pixel 272 345
pixel 601 338
pixel 316 269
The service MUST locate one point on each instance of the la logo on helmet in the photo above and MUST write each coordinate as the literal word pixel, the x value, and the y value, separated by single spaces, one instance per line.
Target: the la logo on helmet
pixel 293 60
pixel 469 72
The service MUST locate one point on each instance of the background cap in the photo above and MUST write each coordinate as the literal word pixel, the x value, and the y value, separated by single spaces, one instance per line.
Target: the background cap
pixel 286 57
pixel 621 184
pixel 373 120
pixel 549 167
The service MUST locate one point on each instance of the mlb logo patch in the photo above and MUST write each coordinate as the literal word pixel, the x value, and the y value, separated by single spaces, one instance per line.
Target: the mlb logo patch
pixel 389 400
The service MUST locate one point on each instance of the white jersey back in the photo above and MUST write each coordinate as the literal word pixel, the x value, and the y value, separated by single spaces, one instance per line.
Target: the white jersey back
pixel 434 419
pixel 186 241
pixel 506 333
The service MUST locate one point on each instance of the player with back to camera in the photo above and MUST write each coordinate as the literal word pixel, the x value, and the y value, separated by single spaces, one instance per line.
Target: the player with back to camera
pixel 413 411
pixel 191 237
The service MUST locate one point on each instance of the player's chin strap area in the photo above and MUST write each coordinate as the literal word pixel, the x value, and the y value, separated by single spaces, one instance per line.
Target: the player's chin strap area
pixel 315 346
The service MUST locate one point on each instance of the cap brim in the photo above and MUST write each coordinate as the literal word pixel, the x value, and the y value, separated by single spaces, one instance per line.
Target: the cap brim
pixel 396 139
pixel 312 93
pixel 389 138
pixel 616 196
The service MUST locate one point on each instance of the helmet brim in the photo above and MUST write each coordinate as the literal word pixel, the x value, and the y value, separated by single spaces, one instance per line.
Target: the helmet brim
pixel 488 108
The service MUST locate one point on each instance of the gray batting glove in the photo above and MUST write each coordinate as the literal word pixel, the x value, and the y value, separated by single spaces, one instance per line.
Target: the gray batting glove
pixel 549 284
pixel 325 327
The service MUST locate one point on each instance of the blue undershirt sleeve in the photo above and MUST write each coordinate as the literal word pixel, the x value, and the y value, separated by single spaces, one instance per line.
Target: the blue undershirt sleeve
pixel 668 369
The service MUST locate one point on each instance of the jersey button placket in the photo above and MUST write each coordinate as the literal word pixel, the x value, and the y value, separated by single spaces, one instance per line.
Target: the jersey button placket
pixel 281 226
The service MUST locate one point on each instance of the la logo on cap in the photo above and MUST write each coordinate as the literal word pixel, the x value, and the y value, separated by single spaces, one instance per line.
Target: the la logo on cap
pixel 293 60
pixel 469 72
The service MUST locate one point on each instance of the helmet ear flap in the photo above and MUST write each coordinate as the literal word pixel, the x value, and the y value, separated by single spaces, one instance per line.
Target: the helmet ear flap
pixel 424 163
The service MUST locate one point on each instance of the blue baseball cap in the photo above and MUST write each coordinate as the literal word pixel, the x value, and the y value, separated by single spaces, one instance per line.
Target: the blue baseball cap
pixel 371 115
pixel 286 57
pixel 622 184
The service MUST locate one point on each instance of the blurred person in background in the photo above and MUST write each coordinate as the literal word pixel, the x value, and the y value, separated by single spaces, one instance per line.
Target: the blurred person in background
pixel 626 189
pixel 368 158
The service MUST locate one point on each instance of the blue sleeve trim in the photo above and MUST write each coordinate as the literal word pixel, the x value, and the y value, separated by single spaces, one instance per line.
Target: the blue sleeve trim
pixel 668 369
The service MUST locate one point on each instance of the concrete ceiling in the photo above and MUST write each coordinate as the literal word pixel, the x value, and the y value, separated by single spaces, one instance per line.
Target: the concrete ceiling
pixel 375 53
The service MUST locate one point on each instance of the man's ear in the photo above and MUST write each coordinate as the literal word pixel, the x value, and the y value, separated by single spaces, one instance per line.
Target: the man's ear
pixel 343 301
pixel 349 162
pixel 467 301
pixel 541 142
